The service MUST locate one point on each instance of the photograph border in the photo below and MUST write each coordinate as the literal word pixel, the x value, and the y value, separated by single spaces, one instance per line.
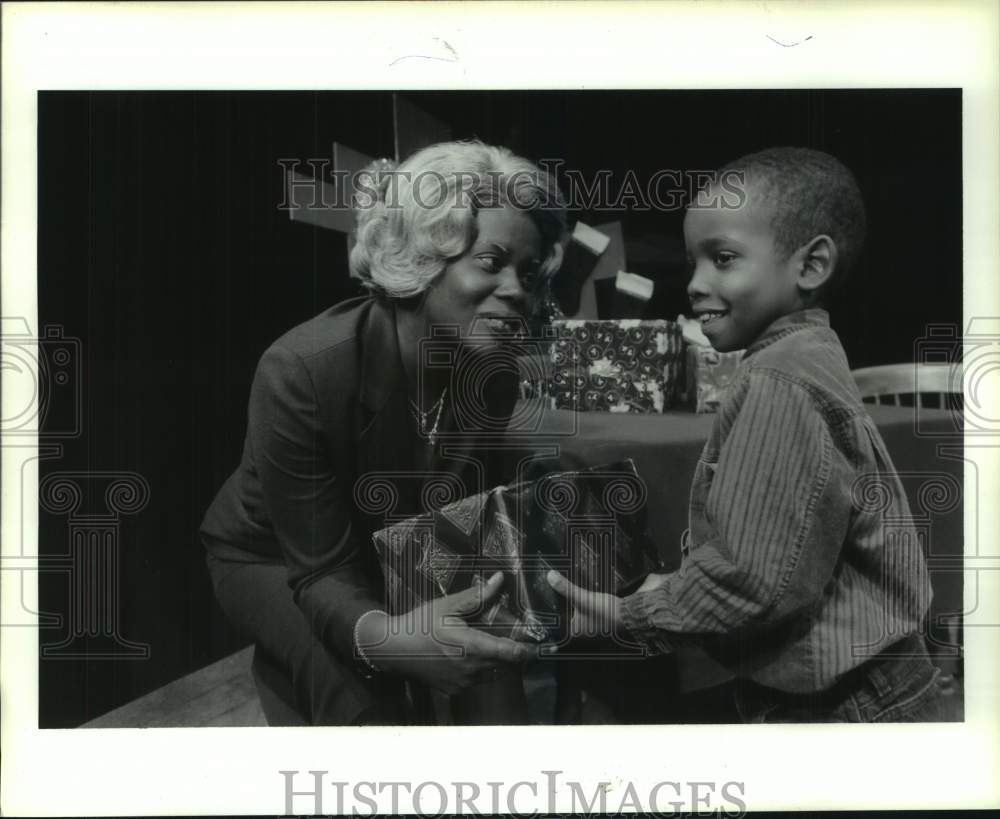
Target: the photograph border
pixel 411 46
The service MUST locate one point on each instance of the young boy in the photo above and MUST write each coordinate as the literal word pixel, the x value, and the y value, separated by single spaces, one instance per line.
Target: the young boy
pixel 799 572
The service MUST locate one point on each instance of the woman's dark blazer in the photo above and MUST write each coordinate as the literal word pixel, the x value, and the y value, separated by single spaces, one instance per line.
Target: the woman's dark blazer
pixel 328 405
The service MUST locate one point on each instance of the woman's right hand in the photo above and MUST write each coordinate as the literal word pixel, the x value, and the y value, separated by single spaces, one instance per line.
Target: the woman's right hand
pixel 433 644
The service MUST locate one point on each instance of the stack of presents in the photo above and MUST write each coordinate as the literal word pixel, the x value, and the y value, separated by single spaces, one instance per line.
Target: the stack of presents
pixel 605 360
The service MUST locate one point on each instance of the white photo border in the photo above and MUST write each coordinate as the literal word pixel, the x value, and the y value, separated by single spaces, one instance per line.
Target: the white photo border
pixel 342 46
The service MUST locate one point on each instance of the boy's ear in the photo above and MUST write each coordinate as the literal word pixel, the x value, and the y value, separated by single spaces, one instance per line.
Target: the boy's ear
pixel 819 260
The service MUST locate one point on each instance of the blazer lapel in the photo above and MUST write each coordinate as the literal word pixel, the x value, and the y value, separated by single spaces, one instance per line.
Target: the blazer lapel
pixel 385 446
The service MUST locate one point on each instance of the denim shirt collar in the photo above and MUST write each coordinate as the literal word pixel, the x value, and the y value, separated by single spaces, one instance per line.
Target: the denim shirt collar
pixel 786 325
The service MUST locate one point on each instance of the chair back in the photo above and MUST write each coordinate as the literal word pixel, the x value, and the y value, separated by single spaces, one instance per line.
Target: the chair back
pixel 895 380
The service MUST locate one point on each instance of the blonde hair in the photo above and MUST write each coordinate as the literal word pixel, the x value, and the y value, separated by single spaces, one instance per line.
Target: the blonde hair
pixel 411 220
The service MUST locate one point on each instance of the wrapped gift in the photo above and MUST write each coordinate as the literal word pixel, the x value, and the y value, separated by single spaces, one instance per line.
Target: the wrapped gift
pixel 616 365
pixel 709 374
pixel 588 525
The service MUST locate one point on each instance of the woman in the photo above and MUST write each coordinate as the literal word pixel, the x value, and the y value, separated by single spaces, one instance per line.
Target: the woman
pixel 455 247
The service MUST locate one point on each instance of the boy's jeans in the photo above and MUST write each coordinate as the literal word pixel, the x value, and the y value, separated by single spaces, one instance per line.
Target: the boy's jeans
pixel 884 689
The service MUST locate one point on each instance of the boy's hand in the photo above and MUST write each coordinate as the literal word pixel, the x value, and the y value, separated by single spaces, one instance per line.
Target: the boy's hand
pixel 595 614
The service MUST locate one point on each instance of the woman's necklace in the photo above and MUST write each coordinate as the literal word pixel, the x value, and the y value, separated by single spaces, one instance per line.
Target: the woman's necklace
pixel 421 416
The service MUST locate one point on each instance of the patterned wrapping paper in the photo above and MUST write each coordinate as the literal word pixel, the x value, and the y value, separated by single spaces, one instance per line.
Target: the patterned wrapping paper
pixel 709 374
pixel 589 525
pixel 621 365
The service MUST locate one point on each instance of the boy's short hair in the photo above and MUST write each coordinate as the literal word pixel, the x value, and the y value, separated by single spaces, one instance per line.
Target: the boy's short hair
pixel 812 193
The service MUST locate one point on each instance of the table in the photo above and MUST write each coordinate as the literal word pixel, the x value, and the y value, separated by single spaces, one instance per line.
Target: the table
pixel 666 447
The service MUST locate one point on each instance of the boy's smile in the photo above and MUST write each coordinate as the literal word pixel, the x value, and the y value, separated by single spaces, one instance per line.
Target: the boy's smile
pixel 740 281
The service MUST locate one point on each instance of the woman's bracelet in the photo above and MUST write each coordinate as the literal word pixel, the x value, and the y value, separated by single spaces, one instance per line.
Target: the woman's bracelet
pixel 367 667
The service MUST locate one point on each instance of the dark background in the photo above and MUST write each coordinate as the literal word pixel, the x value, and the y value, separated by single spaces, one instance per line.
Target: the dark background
pixel 161 248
